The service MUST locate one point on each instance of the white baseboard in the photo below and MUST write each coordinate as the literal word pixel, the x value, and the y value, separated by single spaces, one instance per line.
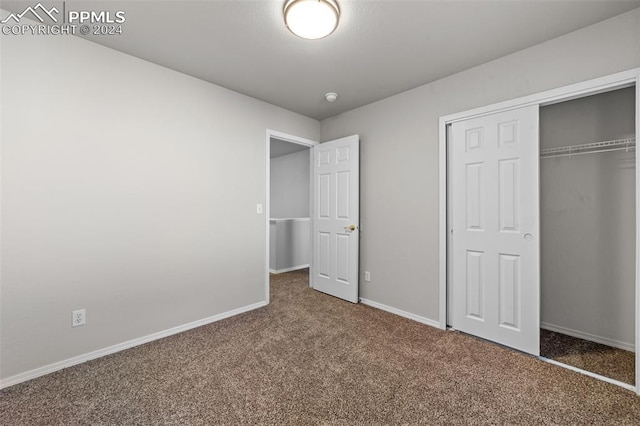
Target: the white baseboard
pixel 41 371
pixel 293 268
pixel 399 312
pixel 591 337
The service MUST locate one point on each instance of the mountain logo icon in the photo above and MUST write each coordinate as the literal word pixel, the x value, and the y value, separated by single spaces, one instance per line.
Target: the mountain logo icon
pixel 38 11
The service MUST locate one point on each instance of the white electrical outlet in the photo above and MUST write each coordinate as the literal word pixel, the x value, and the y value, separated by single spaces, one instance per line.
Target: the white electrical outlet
pixel 367 276
pixel 78 317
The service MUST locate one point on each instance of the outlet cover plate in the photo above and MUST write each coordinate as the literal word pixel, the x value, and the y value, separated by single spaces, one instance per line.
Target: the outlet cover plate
pixel 78 317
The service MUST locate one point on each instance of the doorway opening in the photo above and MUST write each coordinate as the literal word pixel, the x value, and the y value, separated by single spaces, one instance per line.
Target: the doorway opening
pixel 289 204
pixel 587 233
pixel 333 213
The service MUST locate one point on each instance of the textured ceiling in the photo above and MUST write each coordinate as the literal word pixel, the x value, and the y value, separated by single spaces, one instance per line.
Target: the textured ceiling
pixel 380 48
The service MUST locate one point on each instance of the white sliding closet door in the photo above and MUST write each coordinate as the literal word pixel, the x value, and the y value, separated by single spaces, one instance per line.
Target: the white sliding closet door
pixel 495 281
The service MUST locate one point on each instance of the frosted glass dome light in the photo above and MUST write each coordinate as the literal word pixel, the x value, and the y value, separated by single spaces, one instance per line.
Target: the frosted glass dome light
pixel 311 19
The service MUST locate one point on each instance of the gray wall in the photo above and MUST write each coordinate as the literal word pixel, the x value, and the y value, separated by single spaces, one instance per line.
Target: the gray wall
pixel 399 150
pixel 587 206
pixel 290 244
pixel 121 185
pixel 290 185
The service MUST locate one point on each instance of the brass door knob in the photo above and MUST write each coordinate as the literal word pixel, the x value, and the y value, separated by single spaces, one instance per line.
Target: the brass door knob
pixel 350 228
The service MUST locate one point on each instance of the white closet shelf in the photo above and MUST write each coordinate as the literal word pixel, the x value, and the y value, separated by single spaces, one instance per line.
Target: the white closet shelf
pixel 589 148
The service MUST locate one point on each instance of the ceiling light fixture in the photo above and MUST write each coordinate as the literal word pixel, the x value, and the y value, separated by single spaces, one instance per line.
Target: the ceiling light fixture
pixel 311 19
pixel 331 96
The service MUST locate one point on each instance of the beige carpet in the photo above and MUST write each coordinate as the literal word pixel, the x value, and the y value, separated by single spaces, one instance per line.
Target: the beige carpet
pixel 310 359
pixel 610 362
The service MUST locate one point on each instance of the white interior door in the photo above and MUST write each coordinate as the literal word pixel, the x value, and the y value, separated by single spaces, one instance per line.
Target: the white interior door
pixel 494 229
pixel 336 213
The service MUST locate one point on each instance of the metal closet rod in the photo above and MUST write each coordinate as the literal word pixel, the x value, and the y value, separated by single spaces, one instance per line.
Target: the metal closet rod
pixel 590 148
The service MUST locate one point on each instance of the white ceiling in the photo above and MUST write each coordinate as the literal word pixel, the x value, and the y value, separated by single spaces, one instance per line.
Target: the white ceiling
pixel 380 48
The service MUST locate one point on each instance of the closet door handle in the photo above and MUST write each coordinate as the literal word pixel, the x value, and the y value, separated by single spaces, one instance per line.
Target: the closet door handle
pixel 528 236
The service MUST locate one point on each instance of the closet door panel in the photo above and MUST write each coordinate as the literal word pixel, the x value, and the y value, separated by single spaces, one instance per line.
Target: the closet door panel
pixel 495 242
pixel 509 195
pixel 510 300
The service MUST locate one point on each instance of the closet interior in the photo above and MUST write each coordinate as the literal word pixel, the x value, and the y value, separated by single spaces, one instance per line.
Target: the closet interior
pixel 587 233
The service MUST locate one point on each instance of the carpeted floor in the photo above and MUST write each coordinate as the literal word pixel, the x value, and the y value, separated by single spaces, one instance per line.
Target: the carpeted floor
pixel 605 360
pixel 311 359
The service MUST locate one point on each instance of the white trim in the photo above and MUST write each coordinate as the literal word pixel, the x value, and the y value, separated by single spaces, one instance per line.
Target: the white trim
pixel 290 138
pixel 561 94
pixel 590 337
pixel 267 209
pixel 548 97
pixel 589 373
pixel 56 366
pixel 442 230
pixel 400 312
pixel 293 268
pixel 637 340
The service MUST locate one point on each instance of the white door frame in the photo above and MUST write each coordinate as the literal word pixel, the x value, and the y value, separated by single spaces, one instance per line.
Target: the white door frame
pixel 561 94
pixel 267 209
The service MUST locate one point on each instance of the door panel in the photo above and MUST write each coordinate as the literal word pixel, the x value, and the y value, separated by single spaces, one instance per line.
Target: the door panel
pixel 473 189
pixel 509 195
pixel 475 284
pixel 324 194
pixel 336 218
pixel 495 238
pixel 510 299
